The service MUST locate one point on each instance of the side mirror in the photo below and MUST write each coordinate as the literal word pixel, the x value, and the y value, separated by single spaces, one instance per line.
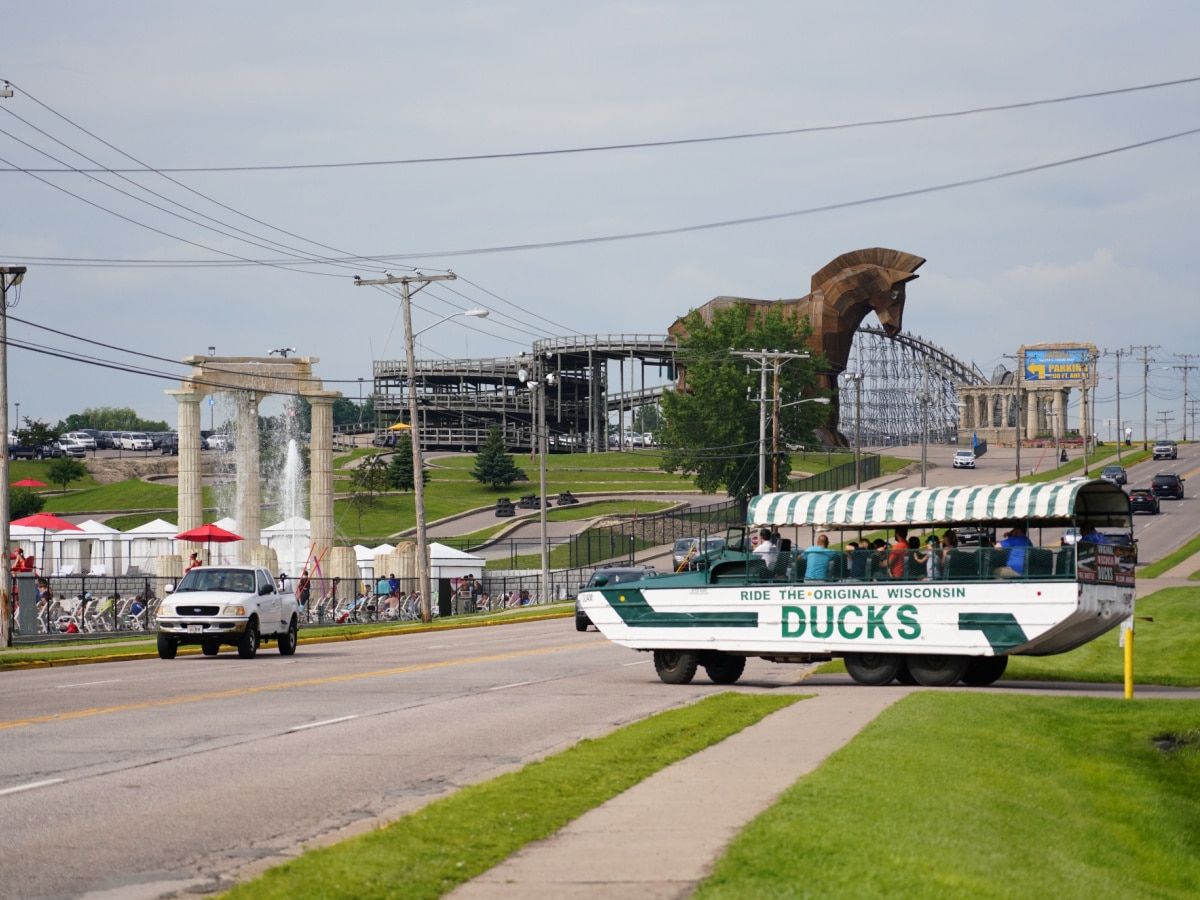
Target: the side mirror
pixel 169 588
pixel 600 581
pixel 266 589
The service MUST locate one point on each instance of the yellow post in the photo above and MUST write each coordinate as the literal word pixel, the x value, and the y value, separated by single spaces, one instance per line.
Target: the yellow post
pixel 1128 635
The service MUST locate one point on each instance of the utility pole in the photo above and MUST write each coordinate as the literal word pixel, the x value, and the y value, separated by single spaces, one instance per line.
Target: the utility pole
pixel 10 277
pixel 1186 366
pixel 1164 416
pixel 1120 433
pixel 406 282
pixel 1145 348
pixel 776 358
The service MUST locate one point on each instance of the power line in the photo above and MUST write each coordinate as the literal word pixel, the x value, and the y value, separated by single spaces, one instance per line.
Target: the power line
pixel 638 145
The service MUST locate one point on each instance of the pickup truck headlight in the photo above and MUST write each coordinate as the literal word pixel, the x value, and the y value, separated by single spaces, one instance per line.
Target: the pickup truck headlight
pixel 166 609
pixel 234 611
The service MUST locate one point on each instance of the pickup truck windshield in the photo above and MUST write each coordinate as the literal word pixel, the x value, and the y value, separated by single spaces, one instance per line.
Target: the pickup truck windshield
pixel 208 579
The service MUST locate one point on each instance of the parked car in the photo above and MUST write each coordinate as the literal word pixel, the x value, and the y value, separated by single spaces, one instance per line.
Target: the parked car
pixel 169 445
pixel 135 440
pixel 610 575
pixel 88 442
pixel 1167 484
pixel 221 442
pixel 49 450
pixel 1165 450
pixel 964 459
pixel 106 440
pixel 72 447
pixel 1116 474
pixel 1144 500
pixel 20 451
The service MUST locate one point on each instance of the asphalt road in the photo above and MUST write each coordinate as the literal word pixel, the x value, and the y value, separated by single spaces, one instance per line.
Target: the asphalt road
pixel 142 777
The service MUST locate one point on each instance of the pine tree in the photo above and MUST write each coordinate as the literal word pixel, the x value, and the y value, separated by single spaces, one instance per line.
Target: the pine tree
pixel 493 465
pixel 400 472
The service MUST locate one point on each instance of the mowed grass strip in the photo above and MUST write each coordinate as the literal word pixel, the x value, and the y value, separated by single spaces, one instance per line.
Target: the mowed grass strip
pixel 956 794
pixel 430 852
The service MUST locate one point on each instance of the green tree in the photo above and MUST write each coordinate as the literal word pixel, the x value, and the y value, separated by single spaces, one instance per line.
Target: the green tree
pixel 493 465
pixel 64 470
pixel 400 472
pixel 710 429
pixel 369 478
pixel 23 502
pixel 109 418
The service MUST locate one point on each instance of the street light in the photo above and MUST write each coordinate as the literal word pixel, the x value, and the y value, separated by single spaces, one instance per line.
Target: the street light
pixel 856 378
pixel 406 283
pixel 823 401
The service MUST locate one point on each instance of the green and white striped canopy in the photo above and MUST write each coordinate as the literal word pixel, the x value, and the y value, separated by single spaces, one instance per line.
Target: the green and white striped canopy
pixel 1061 501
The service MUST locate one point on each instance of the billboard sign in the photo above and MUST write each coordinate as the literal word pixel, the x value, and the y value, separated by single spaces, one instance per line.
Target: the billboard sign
pixel 1066 364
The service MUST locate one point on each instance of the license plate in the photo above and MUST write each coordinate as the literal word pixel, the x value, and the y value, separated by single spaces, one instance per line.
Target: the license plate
pixel 195 629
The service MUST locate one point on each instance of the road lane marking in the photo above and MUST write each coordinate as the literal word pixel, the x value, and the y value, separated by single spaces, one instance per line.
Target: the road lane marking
pixel 281 686
pixel 78 684
pixel 319 724
pixel 31 786
pixel 502 687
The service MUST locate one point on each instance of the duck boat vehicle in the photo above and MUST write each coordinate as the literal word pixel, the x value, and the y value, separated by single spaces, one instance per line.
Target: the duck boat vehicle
pixel 957 621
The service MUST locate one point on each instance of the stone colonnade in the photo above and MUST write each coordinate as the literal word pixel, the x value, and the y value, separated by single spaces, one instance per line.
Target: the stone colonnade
pixel 250 379
pixel 988 411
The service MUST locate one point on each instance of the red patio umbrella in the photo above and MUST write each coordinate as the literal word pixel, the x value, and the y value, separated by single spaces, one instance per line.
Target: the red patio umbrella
pixel 29 483
pixel 47 522
pixel 207 533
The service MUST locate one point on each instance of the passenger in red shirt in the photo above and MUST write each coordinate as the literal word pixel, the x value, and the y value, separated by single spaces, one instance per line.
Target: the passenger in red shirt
pixel 898 552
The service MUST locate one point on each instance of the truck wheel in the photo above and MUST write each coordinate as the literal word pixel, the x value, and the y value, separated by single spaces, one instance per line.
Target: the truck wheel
pixel 211 648
pixel 581 624
pixel 248 641
pixel 724 668
pixel 287 640
pixel 167 648
pixel 872 668
pixel 984 670
pixel 936 670
pixel 676 666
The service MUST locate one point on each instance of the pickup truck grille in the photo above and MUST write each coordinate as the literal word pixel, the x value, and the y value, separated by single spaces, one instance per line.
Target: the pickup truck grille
pixel 197 610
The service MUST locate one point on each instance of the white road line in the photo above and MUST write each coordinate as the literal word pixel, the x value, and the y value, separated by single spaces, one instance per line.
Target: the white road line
pixel 319 724
pixel 30 786
pixel 501 687
pixel 640 662
pixel 87 683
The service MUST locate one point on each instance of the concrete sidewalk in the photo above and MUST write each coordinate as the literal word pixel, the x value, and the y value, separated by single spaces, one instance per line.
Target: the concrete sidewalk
pixel 661 837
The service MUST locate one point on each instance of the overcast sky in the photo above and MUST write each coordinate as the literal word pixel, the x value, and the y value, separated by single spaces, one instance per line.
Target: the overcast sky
pixel 1100 250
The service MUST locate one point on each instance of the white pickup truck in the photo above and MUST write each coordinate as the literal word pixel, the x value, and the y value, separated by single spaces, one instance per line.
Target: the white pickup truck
pixel 235 605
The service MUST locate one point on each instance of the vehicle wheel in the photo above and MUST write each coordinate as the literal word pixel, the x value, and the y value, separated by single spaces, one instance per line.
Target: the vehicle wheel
pixel 724 668
pixel 211 648
pixel 581 624
pixel 872 668
pixel 248 641
pixel 676 666
pixel 936 670
pixel 903 675
pixel 167 648
pixel 287 640
pixel 984 670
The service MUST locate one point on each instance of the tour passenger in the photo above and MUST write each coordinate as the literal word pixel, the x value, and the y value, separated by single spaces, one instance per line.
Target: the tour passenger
pixel 816 559
pixel 766 549
pixel 898 553
pixel 1017 545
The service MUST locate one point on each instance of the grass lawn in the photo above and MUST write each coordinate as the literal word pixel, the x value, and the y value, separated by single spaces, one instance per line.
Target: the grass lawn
pixel 428 853
pixel 954 794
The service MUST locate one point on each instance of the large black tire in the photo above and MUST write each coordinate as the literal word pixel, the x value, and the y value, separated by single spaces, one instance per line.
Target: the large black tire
pixel 167 648
pixel 676 666
pixel 873 668
pixel 723 668
pixel 984 670
pixel 248 640
pixel 287 641
pixel 210 647
pixel 581 624
pixel 936 670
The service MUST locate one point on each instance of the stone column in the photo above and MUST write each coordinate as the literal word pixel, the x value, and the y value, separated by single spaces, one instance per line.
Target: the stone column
pixel 249 500
pixel 320 460
pixel 1031 412
pixel 190 502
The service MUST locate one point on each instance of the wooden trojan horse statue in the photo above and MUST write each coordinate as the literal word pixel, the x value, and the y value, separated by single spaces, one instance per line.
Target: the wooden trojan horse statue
pixel 844 292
